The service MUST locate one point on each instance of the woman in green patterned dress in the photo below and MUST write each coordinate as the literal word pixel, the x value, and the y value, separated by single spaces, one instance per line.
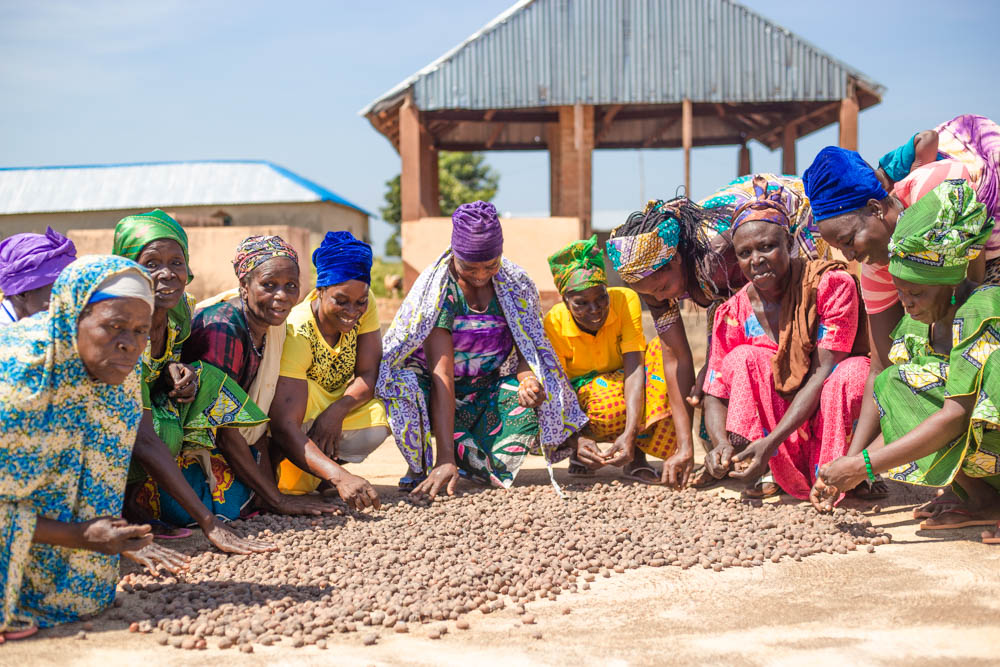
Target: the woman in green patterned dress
pixel 938 402
pixel 183 404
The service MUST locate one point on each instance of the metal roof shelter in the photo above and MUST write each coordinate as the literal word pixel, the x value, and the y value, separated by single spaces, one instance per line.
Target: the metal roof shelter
pixel 155 184
pixel 569 76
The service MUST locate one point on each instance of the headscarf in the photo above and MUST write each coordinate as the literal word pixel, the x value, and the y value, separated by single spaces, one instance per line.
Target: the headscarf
pixel 255 250
pixel 135 232
pixel 840 181
pixel 66 442
pixel 898 162
pixel 341 257
pixel 125 285
pixel 578 266
pixel 646 242
pixel 937 237
pixel 30 261
pixel 476 235
pixel 767 207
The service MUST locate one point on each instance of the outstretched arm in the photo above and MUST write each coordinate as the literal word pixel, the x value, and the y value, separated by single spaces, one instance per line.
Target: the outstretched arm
pixel 678 369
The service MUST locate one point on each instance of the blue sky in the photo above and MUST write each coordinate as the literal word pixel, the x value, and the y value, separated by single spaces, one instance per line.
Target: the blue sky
pixel 96 82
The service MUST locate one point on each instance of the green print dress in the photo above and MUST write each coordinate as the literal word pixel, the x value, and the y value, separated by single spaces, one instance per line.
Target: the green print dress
pixel 921 379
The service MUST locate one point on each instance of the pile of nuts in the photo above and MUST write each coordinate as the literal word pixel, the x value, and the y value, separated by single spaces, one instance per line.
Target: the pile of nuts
pixel 413 562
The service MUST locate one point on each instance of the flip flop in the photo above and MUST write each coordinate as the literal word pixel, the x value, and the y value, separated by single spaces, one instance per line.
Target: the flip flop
pixel 995 538
pixel 939 500
pixel 702 479
pixel 961 524
pixel 633 476
pixel 175 533
pixel 577 469
pixel 867 490
pixel 763 490
pixel 14 635
pixel 410 481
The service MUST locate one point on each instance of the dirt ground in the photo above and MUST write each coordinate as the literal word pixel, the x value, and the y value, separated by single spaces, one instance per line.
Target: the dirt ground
pixel 927 598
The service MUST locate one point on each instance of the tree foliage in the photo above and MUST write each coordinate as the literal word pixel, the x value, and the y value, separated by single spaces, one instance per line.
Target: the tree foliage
pixel 462 177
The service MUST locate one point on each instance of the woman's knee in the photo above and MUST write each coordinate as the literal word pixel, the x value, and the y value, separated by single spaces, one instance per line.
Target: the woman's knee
pixel 355 446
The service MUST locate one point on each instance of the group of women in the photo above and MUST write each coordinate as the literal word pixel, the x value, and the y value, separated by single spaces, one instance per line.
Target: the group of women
pixel 131 412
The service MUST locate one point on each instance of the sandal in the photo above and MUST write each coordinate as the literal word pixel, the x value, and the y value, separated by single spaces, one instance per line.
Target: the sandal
pixel 14 635
pixel 411 481
pixel 164 531
pixel 702 479
pixel 992 538
pixel 924 525
pixel 869 490
pixel 633 475
pixel 577 469
pixel 762 490
pixel 926 511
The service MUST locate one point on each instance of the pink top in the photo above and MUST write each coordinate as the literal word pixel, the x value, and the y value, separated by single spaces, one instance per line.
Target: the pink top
pixel 876 284
pixel 736 324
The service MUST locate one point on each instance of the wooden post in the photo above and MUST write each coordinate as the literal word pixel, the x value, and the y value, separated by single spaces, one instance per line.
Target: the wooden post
pixel 743 163
pixel 419 175
pixel 571 145
pixel 849 119
pixel 687 132
pixel 789 134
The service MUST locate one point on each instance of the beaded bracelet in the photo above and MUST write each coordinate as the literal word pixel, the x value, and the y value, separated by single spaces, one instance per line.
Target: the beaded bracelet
pixel 868 465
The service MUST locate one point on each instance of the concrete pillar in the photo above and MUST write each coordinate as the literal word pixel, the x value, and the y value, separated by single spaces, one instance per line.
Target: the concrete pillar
pixel 743 162
pixel 687 139
pixel 419 175
pixel 788 137
pixel 571 147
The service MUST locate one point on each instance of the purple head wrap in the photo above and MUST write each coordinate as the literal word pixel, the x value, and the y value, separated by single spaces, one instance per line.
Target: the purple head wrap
pixel 30 261
pixel 475 234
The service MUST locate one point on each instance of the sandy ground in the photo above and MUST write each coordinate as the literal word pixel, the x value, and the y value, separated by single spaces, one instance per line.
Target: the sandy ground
pixel 927 598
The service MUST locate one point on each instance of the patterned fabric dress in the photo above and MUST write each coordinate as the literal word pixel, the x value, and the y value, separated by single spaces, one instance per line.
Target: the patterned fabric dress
pixel 740 372
pixel 64 455
pixel 188 430
pixel 405 399
pixel 917 385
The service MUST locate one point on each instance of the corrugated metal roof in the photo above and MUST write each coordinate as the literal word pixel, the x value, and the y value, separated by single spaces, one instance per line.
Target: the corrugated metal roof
pixel 560 52
pixel 155 184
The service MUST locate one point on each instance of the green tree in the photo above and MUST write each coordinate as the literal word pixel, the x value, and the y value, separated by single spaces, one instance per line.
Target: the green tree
pixel 462 177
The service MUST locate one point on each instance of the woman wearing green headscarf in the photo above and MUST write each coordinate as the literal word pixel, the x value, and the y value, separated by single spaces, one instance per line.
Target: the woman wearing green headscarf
pixel 172 480
pixel 939 404
pixel 596 332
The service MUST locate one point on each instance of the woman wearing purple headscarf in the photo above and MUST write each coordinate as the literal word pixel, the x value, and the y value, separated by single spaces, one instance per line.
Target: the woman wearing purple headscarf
pixel 466 360
pixel 29 264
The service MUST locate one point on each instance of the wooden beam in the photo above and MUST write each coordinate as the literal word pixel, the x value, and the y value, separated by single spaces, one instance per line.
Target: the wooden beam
pixel 495 134
pixel 743 161
pixel 849 119
pixel 659 131
pixel 418 176
pixel 687 137
pixel 505 115
pixel 488 116
pixel 606 121
pixel 789 134
pixel 798 121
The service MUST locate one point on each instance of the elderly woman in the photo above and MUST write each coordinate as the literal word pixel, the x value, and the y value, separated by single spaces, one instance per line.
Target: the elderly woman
pixel 29 264
pixel 71 405
pixel 324 412
pixel 596 332
pixel 466 359
pixel 183 404
pixel 788 366
pixel 242 332
pixel 938 402
pixel 857 216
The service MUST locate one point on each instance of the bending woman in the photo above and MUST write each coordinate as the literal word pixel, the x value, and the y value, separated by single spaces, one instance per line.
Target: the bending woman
pixel 71 404
pixel 29 264
pixel 788 364
pixel 596 333
pixel 183 404
pixel 938 402
pixel 241 332
pixel 466 359
pixel 324 412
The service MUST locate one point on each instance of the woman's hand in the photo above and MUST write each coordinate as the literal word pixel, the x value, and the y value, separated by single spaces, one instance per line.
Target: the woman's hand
pixel 327 429
pixel 529 392
pixel 357 492
pixel 822 496
pixel 622 452
pixel 844 473
pixel 113 535
pixel 677 468
pixel 183 380
pixel 588 453
pixel 300 505
pixel 153 557
pixel 443 476
pixel 226 540
pixel 719 460
pixel 759 452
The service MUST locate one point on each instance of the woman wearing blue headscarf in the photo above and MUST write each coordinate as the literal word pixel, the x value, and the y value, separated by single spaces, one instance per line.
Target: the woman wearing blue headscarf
pixel 324 412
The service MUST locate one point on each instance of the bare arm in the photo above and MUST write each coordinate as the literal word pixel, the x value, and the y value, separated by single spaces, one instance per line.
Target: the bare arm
pixel 623 450
pixel 678 369
pixel 718 459
pixel 440 353
pixel 880 326
pixel 925 146
pixel 328 426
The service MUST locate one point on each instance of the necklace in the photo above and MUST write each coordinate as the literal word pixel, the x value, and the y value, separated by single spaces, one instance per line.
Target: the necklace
pixel 263 341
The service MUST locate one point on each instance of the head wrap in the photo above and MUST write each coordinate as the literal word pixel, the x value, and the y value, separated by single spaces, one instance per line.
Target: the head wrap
pixel 476 235
pixel 647 242
pixel 767 207
pixel 341 257
pixel 840 181
pixel 128 284
pixel 30 261
pixel 897 163
pixel 578 266
pixel 255 250
pixel 937 237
